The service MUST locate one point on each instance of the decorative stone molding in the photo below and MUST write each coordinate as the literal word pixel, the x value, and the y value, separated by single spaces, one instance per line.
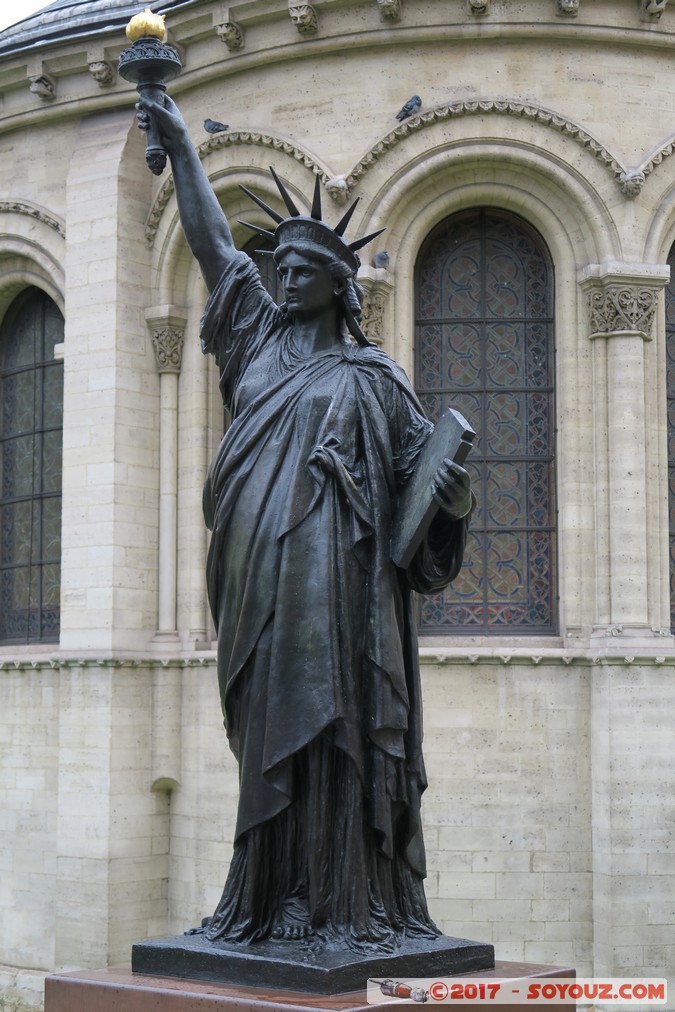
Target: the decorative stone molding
pixel 622 309
pixel 567 8
pixel 479 7
pixel 651 10
pixel 500 107
pixel 304 17
pixel 231 34
pixel 377 287
pixel 44 86
pixel 488 656
pixel 664 152
pixel 103 73
pixel 54 662
pixel 18 207
pixel 168 345
pixel 372 318
pixel 167 327
pixel 340 188
pixel 622 298
pixel 390 10
pixel 237 137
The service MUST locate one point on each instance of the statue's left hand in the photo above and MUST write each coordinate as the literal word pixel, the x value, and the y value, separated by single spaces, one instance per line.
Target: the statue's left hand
pixel 452 490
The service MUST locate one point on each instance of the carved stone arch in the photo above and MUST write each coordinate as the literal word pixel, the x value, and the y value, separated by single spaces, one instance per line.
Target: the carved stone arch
pixel 241 153
pixel 569 209
pixel 25 261
pixel 660 231
pixel 410 197
pixel 542 119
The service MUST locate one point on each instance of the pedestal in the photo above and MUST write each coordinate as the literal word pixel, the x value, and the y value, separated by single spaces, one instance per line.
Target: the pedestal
pixel 117 989
pixel 300 966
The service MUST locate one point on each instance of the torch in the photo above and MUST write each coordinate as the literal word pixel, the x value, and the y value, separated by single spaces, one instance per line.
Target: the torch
pixel 149 63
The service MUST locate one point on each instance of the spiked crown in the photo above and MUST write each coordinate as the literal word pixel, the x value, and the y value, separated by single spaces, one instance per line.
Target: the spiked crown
pixel 312 229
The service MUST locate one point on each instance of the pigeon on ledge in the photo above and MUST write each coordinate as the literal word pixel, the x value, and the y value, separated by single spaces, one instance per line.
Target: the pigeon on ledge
pixel 410 108
pixel 212 126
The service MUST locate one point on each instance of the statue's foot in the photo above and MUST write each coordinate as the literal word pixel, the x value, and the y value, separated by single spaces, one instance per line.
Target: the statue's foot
pixel 293 921
pixel 292 932
pixel 201 929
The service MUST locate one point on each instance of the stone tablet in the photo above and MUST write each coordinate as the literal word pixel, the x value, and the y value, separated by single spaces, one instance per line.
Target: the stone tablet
pixel 452 438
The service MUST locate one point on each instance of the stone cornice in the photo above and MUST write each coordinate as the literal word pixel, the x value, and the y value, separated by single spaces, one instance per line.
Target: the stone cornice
pixel 19 207
pixel 444 656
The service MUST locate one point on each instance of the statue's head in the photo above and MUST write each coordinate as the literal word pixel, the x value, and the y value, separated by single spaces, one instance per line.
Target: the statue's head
pixel 310 236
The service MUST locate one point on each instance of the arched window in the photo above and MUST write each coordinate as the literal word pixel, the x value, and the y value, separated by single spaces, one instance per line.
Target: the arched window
pixel 31 430
pixel 484 345
pixel 670 392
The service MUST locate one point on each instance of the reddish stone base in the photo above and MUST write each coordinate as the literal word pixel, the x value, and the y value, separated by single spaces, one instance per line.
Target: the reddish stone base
pixel 117 989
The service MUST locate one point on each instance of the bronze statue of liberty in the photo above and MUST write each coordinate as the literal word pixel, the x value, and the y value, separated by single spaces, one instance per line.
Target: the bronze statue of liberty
pixel 317 653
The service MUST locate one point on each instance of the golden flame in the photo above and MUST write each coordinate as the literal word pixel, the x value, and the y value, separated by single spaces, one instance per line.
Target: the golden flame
pixel 146 24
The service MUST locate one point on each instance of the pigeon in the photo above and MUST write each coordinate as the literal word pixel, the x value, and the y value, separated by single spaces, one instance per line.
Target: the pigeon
pixel 381 259
pixel 212 126
pixel 410 108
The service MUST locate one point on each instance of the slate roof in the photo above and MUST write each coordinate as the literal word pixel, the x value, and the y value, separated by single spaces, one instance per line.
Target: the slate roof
pixel 66 20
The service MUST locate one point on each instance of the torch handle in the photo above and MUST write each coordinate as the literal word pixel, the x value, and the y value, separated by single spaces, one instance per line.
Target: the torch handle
pixel 155 154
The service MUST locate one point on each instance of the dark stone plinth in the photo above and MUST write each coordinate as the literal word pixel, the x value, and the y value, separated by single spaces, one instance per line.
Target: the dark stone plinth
pixel 295 966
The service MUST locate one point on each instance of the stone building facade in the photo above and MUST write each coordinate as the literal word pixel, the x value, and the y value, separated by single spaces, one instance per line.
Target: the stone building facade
pixel 547 125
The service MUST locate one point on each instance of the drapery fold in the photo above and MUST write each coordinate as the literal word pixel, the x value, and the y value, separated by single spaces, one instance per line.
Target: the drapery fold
pixel 317 654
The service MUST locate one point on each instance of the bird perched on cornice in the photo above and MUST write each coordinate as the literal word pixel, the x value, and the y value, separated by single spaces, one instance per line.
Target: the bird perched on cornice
pixel 410 108
pixel 381 259
pixel 212 126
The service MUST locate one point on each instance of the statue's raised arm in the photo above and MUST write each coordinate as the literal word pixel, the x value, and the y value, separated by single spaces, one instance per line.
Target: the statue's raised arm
pixel 204 223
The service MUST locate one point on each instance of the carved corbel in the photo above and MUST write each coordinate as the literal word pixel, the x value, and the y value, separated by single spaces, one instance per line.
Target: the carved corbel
pixel 479 7
pixel 304 17
pixel 337 189
pixel 631 182
pixel 231 34
pixel 103 73
pixel 651 10
pixel 44 86
pixel 567 8
pixel 622 299
pixel 377 284
pixel 390 10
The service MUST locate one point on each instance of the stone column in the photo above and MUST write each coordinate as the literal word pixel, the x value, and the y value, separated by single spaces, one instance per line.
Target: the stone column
pixel 630 686
pixel 167 327
pixel 622 300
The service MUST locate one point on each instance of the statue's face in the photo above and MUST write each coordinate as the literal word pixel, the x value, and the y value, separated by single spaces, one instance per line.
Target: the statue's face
pixel 309 288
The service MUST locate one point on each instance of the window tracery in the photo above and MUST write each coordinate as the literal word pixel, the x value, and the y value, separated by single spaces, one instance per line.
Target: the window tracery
pixel 484 345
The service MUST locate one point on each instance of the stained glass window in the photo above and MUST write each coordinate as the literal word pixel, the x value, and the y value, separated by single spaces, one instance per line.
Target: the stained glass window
pixel 484 345
pixel 31 409
pixel 670 385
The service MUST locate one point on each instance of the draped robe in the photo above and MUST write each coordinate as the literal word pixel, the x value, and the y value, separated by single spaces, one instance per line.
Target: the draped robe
pixel 317 655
